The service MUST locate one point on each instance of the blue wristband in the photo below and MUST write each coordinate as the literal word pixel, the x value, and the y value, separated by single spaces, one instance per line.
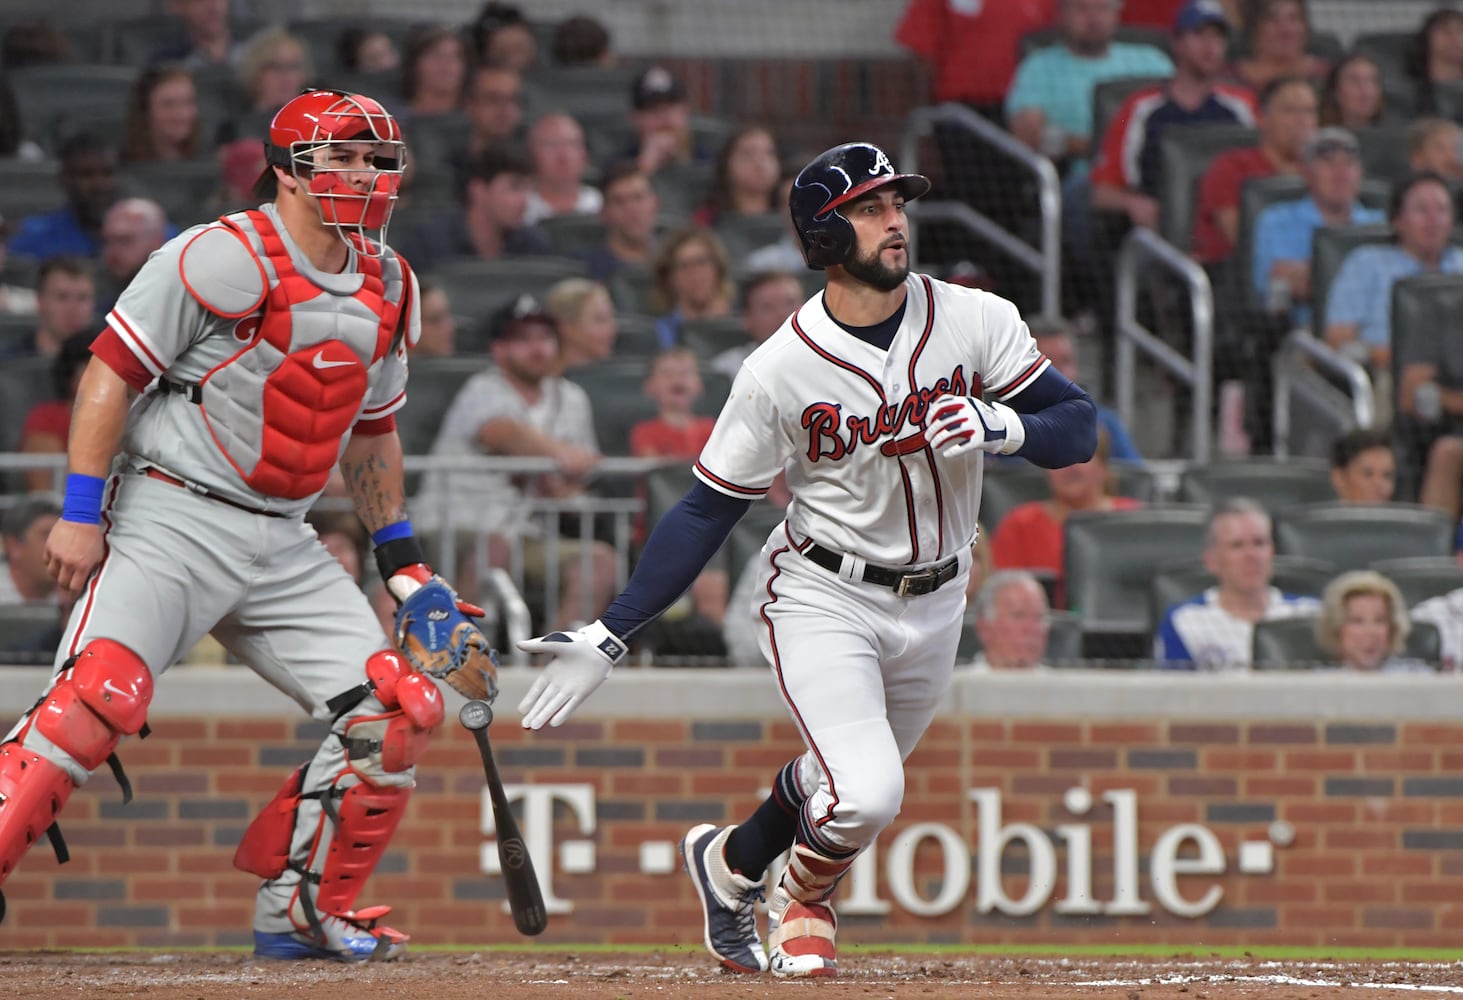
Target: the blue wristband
pixel 390 533
pixel 83 502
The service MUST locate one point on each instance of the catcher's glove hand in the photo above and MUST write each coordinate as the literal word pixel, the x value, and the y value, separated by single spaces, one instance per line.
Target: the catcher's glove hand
pixel 436 635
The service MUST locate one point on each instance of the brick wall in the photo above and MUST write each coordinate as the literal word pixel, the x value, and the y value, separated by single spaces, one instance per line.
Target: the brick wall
pixel 1363 818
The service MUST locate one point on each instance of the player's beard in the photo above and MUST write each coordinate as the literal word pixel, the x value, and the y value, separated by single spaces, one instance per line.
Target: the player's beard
pixel 871 270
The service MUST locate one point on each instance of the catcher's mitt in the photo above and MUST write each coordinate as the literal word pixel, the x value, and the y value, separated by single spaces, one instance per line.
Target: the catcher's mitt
pixel 440 640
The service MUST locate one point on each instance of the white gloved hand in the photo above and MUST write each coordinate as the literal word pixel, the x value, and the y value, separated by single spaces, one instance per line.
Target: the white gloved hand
pixel 581 661
pixel 958 424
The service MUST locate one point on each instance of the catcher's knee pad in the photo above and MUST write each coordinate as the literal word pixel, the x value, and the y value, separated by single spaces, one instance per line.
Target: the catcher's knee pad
pixel 102 696
pixel 391 742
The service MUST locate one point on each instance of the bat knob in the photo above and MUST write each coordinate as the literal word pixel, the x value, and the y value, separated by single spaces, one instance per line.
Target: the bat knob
pixel 475 715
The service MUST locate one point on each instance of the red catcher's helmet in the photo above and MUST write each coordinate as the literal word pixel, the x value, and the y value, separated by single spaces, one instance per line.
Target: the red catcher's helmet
pixel 300 137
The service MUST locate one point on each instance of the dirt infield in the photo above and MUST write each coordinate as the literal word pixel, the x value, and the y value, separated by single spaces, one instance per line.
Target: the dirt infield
pixel 688 973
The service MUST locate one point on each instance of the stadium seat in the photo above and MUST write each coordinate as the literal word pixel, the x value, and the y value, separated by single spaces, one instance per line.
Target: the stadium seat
pixel 682 187
pixel 631 289
pixel 1390 50
pixel 1186 152
pixel 716 387
pixel 431 387
pixel 1353 536
pixel 28 188
pixel 635 338
pixel 1422 577
pixel 430 141
pixel 744 233
pixel 1111 559
pixel 23 383
pixel 617 400
pixel 1008 484
pixel 320 34
pixel 582 91
pixel 138 41
pixel 1384 152
pixel 1291 644
pixel 1180 580
pixel 1329 248
pixel 476 287
pixel 1421 306
pixel 14 327
pixel 1063 641
pixel 21 625
pixel 663 488
pixel 1108 97
pixel 1134 479
pixel 49 92
pixel 709 337
pixel 185 190
pixel 569 234
pixel 1273 483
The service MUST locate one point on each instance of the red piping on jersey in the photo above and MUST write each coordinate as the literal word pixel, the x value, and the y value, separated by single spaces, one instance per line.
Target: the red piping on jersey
pixel 879 389
pixel 777 666
pixel 96 576
pixel 747 491
pixel 135 338
pixel 928 451
pixel 1016 382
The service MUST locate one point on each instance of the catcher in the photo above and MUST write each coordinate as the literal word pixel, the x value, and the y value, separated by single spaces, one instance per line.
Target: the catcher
pixel 247 359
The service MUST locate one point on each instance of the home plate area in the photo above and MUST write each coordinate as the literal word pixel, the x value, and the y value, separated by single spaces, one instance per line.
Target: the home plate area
pixel 686 973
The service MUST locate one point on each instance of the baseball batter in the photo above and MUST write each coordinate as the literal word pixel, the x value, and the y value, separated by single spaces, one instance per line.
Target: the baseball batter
pixel 248 358
pixel 870 396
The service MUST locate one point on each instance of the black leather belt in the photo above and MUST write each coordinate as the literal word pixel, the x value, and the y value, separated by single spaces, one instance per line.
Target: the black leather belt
pixel 905 583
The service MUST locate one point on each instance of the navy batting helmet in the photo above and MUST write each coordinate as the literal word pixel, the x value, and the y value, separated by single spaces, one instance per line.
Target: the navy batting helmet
pixel 837 176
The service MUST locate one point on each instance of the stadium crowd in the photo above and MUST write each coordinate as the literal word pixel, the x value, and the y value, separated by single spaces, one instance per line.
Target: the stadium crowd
pixel 597 257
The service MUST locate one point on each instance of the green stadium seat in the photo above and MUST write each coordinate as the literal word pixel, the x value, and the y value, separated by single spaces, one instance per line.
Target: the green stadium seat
pixel 185 190
pixel 1422 306
pixel 28 188
pixel 744 233
pixel 1006 485
pixel 477 287
pixel 1111 559
pixel 1273 483
pixel 1353 536
pixel 46 93
pixel 569 234
pixel 1422 577
pixel 619 404
pixel 1291 644
pixel 709 337
pixel 582 91
pixel 1186 152
pixel 1384 152
pixel 1328 250
pixel 635 338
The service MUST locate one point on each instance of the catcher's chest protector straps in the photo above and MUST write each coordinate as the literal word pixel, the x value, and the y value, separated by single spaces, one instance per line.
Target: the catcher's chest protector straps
pixel 280 406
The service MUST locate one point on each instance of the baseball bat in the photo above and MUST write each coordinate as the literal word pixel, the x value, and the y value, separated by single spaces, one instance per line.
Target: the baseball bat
pixel 524 897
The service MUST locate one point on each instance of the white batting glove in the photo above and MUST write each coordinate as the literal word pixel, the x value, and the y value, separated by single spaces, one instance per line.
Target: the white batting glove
pixel 959 424
pixel 581 661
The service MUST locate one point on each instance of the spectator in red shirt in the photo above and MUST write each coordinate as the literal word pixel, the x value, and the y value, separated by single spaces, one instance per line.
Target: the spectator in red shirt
pixel 972 46
pixel 48 423
pixel 1288 118
pixel 1031 535
pixel 674 383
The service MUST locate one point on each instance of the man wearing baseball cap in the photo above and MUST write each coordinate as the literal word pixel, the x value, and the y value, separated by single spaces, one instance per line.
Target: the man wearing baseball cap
pixel 1126 177
pixel 1281 249
pixel 521 407
pixel 661 115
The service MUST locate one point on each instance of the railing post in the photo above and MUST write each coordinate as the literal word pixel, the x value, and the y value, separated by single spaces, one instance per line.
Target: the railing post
pixel 1126 315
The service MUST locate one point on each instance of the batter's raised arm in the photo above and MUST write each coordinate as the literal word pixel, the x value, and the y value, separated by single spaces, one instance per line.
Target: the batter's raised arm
pixel 98 418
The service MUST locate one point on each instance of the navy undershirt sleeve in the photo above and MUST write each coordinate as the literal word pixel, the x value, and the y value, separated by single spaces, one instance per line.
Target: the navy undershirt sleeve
pixel 681 544
pixel 1060 420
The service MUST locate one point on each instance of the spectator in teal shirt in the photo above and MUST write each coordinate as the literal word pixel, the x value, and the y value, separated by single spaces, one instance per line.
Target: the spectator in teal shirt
pixel 1281 245
pixel 1359 305
pixel 1049 105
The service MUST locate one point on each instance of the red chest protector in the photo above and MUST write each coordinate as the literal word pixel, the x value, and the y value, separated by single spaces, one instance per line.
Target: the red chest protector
pixel 279 408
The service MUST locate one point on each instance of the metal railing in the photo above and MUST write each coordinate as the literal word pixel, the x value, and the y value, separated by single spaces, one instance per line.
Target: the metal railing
pixel 1294 367
pixel 1045 260
pixel 1144 247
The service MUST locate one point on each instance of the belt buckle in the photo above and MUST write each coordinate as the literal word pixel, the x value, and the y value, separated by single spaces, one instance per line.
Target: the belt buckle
pixel 901 588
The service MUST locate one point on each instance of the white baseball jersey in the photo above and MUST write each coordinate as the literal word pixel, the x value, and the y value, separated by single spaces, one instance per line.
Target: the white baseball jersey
pixel 846 419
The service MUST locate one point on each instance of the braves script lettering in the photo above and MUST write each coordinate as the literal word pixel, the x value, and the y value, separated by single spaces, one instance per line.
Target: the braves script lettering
pixel 834 436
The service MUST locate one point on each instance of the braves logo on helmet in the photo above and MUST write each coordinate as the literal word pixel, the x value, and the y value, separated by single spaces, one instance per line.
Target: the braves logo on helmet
pixel 835 178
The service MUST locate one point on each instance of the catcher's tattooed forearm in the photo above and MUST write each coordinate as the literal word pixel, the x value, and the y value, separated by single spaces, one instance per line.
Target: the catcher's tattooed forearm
pixel 371 467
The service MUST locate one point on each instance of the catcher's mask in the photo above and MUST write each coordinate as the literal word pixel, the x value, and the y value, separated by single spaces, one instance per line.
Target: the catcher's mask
pixel 836 177
pixel 329 140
